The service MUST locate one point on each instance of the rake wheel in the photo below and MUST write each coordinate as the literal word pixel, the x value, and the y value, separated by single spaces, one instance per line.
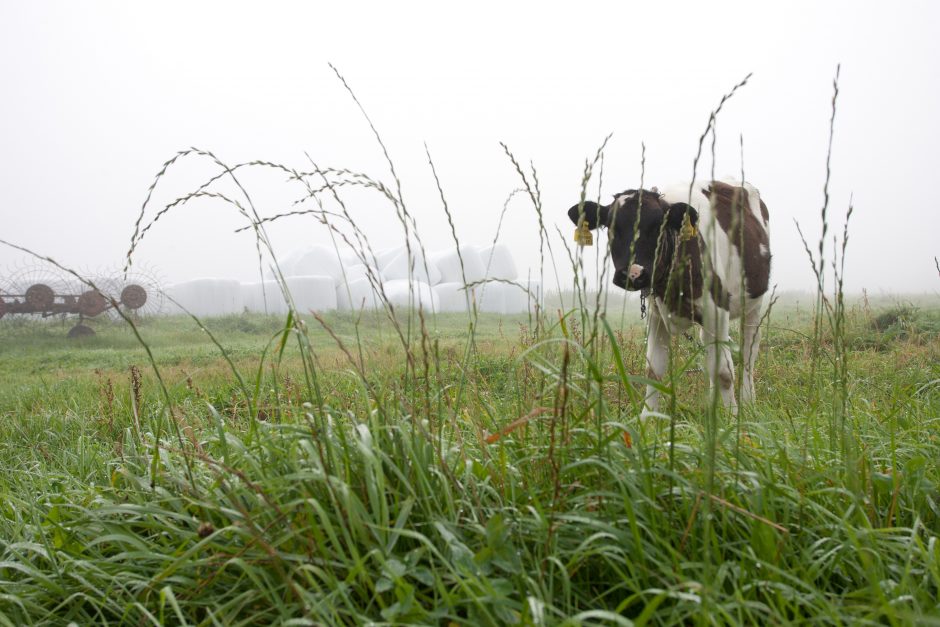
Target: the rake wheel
pixel 92 303
pixel 81 330
pixel 133 296
pixel 19 279
pixel 40 296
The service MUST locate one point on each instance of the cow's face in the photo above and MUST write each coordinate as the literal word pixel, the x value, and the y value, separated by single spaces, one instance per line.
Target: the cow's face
pixel 635 221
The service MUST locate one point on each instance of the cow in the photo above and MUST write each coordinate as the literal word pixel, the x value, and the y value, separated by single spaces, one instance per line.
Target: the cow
pixel 701 253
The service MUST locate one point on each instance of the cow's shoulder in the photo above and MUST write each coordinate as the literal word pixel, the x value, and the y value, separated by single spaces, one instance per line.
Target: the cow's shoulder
pixel 693 193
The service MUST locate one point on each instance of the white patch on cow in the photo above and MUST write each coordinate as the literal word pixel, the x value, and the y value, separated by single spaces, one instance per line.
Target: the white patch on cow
pixel 673 323
pixel 635 271
pixel 619 200
pixel 753 196
pixel 764 251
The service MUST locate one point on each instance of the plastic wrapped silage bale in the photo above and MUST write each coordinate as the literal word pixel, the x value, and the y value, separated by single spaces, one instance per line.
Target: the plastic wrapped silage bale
pixel 448 263
pixel 413 266
pixel 498 262
pixel 206 297
pixel 312 293
pixel 416 294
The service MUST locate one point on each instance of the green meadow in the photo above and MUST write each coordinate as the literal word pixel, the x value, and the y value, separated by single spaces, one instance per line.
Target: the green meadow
pixel 462 470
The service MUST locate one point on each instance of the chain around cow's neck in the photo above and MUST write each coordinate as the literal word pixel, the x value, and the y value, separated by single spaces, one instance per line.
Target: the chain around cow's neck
pixel 643 295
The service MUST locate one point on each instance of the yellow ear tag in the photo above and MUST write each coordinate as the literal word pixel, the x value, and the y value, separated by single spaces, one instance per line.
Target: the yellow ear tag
pixel 583 235
pixel 688 230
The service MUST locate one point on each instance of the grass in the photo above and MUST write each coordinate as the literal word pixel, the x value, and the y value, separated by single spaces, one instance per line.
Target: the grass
pixel 402 468
pixel 385 505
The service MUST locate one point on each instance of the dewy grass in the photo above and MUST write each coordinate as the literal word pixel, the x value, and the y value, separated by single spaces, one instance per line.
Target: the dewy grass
pixel 339 521
pixel 386 468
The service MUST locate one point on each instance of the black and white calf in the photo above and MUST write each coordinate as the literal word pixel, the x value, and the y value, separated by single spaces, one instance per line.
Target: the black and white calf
pixel 713 264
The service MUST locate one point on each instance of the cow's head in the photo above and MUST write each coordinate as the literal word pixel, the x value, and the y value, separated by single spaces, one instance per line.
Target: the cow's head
pixel 635 219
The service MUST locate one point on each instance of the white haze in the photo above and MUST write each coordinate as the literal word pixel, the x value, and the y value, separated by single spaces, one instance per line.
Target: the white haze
pixel 96 95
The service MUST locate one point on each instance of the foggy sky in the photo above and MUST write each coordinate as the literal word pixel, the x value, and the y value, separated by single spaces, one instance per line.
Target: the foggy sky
pixel 97 95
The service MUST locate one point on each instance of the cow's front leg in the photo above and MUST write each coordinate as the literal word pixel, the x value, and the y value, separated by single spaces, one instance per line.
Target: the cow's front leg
pixel 657 356
pixel 718 361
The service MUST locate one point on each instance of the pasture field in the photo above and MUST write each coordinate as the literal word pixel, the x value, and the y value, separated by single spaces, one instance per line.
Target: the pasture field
pixel 427 474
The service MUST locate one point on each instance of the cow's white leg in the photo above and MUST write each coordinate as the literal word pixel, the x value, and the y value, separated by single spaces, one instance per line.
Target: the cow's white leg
pixel 750 346
pixel 718 362
pixel 657 356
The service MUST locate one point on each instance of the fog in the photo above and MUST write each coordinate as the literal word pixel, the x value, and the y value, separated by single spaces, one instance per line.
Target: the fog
pixel 97 95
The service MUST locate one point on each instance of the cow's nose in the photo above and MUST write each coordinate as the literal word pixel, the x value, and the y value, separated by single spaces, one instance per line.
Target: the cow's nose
pixel 637 277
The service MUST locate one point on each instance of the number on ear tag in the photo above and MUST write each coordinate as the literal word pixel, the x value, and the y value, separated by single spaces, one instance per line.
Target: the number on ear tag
pixel 583 235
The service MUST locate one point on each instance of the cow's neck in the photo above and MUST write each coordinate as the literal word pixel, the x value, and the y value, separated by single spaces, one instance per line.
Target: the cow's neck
pixel 677 281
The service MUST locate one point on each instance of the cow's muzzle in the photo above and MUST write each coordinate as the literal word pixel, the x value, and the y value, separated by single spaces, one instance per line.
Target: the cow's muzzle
pixel 636 277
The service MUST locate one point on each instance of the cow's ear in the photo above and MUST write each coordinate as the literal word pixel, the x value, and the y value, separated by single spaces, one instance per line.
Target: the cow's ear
pixel 675 215
pixel 594 215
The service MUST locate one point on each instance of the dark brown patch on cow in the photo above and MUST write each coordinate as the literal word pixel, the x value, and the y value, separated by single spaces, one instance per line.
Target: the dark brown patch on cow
pixel 732 209
pixel 679 277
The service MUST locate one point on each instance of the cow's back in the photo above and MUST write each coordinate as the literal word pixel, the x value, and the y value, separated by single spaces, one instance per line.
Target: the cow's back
pixel 734 224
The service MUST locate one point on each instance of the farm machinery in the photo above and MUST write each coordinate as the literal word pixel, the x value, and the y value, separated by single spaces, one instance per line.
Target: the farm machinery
pixel 42 291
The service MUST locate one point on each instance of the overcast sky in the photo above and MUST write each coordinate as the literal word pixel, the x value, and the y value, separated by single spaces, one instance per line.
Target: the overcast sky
pixel 97 95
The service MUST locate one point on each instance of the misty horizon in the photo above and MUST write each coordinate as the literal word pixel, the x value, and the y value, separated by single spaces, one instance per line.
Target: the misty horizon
pixel 99 96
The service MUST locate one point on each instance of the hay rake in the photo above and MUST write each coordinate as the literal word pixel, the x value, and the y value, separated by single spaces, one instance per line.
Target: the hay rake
pixel 43 290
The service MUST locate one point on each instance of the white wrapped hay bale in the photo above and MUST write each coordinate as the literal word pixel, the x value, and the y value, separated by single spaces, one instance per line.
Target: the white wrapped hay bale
pixel 404 293
pixel 286 263
pixel 521 296
pixel 448 263
pixel 206 297
pixel 264 297
pixel 252 297
pixel 491 298
pixel 348 256
pixel 355 295
pixel 354 272
pixel 316 261
pixel 452 296
pixel 508 298
pixel 498 262
pixel 384 256
pixel 312 293
pixel 413 266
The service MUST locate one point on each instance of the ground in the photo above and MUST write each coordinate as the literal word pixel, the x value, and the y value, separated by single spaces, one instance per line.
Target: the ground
pixel 488 478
